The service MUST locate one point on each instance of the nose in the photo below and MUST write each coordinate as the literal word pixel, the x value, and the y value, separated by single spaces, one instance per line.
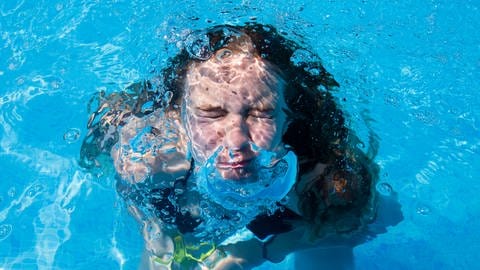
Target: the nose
pixel 237 135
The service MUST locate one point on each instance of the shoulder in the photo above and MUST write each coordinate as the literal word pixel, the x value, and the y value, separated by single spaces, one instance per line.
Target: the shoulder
pixel 333 198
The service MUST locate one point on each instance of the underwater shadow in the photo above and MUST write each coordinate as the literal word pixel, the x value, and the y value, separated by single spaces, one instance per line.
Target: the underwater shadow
pixel 338 253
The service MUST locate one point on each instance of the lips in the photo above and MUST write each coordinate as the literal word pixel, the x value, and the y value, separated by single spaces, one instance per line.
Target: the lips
pixel 235 164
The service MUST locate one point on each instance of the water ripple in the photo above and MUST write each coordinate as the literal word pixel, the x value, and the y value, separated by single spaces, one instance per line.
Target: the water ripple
pixel 10 7
pixel 5 231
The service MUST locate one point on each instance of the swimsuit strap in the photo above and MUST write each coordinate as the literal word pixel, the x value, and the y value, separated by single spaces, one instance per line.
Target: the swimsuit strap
pixel 184 252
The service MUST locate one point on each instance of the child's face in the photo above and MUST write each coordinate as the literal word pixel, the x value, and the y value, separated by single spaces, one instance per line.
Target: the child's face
pixel 234 102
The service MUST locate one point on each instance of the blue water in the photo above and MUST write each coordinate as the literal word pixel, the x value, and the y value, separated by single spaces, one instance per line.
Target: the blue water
pixel 408 70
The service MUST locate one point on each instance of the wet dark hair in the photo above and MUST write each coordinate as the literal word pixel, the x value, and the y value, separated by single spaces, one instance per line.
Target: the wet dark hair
pixel 341 198
pixel 306 94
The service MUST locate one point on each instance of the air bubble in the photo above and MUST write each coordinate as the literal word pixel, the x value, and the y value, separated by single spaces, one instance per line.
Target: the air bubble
pixel 198 47
pixel 34 190
pixel 223 54
pixel 384 189
pixel 72 135
pixel 5 231
pixel 313 71
pixel 147 107
pixel 11 192
pixel 301 57
pixel 423 210
pixel 20 81
pixel 167 98
pixel 56 84
pixel 237 217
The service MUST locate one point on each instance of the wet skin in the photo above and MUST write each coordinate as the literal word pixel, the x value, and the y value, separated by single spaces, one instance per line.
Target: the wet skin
pixel 232 101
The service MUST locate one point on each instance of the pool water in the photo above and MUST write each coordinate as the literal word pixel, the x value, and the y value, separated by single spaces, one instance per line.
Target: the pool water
pixel 409 72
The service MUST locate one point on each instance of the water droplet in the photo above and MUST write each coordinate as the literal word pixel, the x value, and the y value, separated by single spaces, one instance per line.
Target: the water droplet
pixel 384 189
pixel 5 231
pixel 423 210
pixel 72 135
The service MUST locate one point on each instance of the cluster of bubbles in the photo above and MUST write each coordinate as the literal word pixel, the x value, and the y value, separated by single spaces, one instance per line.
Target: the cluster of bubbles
pixel 231 204
pixel 423 210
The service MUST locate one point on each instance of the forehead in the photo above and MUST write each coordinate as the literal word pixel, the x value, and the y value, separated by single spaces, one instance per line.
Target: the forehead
pixel 235 78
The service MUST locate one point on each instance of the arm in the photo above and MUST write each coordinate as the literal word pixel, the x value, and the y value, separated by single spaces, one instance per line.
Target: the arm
pixel 153 144
pixel 147 146
pixel 252 253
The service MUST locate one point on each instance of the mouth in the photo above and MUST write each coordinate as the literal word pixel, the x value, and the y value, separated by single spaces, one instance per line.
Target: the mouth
pixel 238 170
pixel 242 164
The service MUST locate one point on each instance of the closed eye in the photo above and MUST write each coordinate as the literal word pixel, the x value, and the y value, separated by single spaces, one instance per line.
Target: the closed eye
pixel 210 112
pixel 263 114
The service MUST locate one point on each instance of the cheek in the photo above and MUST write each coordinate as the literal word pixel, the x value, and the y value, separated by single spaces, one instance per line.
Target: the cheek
pixel 206 136
pixel 265 133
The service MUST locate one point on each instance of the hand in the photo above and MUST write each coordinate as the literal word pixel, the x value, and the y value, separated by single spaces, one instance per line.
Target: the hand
pixel 229 263
pixel 242 255
pixel 219 260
